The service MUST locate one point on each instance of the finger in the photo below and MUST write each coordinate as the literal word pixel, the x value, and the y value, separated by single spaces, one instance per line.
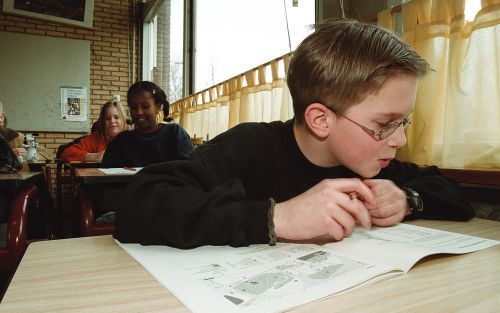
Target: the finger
pixel 335 230
pixel 383 213
pixel 344 219
pixel 371 182
pixel 388 221
pixel 378 187
pixel 375 213
pixel 356 208
pixel 348 185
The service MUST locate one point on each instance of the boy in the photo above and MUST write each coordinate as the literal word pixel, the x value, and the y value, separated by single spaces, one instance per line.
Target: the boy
pixel 320 174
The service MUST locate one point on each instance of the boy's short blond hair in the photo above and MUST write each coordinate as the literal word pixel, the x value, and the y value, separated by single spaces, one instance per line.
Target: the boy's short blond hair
pixel 343 61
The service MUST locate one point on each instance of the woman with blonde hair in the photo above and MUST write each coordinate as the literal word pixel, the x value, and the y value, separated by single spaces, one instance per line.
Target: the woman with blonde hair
pixel 92 147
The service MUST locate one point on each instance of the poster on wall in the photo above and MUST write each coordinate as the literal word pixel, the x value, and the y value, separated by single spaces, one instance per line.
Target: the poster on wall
pixel 73 12
pixel 74 104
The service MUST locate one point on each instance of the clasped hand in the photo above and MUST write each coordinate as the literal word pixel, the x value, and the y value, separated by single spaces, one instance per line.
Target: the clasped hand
pixel 327 209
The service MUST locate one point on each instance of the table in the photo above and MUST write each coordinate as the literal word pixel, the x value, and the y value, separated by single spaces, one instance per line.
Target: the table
pixel 98 276
pixel 44 219
pixel 62 177
pixel 90 176
pixel 18 180
pixel 89 185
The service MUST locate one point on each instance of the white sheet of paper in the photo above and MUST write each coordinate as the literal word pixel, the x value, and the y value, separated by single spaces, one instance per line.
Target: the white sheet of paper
pixel 401 246
pixel 258 278
pixel 261 278
pixel 121 170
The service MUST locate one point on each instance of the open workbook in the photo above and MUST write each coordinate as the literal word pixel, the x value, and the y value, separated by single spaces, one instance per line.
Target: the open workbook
pixel 261 278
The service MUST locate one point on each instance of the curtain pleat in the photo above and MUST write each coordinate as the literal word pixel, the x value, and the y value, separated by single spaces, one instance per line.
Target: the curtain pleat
pixel 457 112
pixel 258 95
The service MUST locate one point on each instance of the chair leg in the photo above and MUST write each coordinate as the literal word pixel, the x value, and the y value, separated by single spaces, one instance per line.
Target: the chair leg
pixel 86 212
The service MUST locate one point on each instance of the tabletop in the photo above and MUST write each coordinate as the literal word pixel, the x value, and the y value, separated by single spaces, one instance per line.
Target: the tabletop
pixel 79 164
pixel 98 276
pixel 19 179
pixel 88 176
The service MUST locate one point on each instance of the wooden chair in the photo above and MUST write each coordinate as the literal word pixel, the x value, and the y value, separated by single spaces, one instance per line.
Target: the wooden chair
pixel 11 254
pixel 88 226
pixel 62 172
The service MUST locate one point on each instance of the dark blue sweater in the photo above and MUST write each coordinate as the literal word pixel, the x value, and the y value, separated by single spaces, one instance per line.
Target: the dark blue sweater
pixel 135 149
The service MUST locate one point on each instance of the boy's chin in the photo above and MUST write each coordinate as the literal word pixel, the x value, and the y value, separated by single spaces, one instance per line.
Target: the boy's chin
pixel 367 172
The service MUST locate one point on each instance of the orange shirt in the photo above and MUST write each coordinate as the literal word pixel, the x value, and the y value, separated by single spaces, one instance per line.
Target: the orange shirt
pixel 90 144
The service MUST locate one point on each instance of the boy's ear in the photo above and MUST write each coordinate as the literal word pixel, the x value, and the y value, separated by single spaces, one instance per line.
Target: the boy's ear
pixel 316 118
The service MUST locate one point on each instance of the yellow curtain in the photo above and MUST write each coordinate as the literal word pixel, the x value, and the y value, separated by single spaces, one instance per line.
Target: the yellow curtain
pixel 386 19
pixel 258 95
pixel 457 113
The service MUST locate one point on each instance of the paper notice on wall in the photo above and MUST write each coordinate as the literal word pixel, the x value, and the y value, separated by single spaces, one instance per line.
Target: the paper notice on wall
pixel 74 103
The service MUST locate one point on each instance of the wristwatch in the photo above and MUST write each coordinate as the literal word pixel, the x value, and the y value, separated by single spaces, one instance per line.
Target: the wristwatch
pixel 414 200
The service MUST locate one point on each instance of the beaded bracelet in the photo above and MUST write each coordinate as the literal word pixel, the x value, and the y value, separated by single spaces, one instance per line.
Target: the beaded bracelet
pixel 270 215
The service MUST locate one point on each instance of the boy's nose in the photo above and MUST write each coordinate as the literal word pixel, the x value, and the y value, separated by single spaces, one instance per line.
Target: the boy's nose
pixel 398 138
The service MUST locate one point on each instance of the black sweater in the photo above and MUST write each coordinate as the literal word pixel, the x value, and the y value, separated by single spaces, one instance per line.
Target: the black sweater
pixel 219 196
pixel 131 148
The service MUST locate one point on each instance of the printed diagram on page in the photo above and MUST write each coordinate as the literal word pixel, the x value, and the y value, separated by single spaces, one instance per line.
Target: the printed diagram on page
pixel 270 273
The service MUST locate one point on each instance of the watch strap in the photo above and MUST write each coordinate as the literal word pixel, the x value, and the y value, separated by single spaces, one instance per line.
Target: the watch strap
pixel 414 200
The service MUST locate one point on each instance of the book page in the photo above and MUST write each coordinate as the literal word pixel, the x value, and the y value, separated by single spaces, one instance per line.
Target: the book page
pixel 121 170
pixel 402 245
pixel 258 278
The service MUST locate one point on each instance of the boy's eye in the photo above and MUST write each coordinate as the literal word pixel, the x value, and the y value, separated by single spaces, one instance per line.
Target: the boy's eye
pixel 383 125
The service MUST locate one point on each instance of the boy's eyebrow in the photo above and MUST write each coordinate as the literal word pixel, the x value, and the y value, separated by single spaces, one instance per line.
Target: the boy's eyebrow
pixel 391 115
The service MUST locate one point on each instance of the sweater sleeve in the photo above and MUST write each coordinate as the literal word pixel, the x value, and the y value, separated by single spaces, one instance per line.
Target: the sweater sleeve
pixel 89 144
pixel 199 201
pixel 442 197
pixel 178 204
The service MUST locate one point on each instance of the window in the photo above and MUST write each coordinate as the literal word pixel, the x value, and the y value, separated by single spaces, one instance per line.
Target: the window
pixel 471 9
pixel 235 36
pixel 231 37
pixel 163 48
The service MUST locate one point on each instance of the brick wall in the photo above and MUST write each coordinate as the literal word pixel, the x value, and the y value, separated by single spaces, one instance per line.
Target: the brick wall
pixel 110 52
pixel 113 65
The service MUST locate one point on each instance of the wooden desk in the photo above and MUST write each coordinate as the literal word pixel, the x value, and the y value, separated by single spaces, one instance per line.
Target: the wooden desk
pixel 89 176
pixel 98 276
pixel 62 175
pixel 18 180
pixel 90 182
pixel 44 217
pixel 483 177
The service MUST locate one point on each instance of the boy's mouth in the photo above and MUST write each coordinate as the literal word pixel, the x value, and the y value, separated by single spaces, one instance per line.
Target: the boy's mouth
pixel 384 162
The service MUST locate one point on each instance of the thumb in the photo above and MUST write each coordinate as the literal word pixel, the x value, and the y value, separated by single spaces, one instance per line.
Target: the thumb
pixel 371 182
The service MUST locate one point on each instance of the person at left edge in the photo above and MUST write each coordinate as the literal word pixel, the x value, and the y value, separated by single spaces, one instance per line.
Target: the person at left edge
pixel 149 142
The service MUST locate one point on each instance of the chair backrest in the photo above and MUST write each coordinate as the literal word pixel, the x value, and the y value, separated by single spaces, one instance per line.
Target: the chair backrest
pixel 11 255
pixel 63 147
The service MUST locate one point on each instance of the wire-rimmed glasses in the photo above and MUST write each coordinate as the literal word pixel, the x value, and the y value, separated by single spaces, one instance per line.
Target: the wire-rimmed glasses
pixel 388 130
